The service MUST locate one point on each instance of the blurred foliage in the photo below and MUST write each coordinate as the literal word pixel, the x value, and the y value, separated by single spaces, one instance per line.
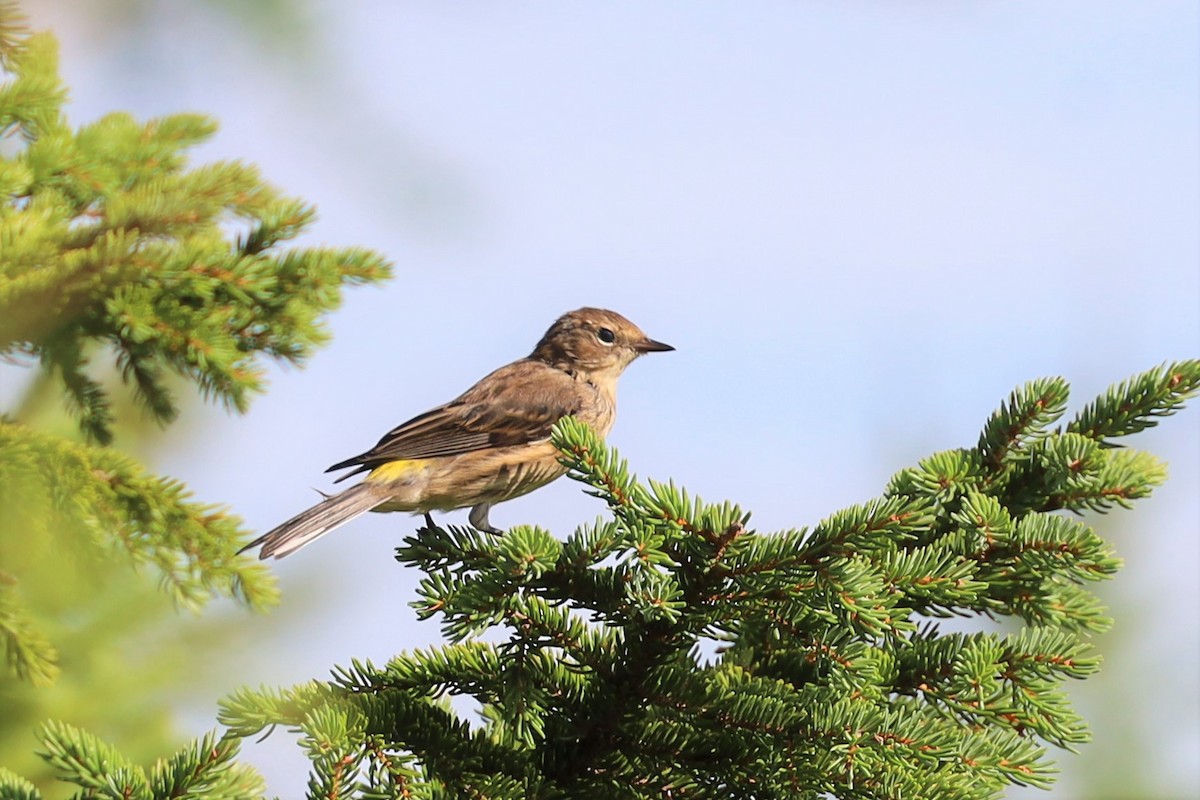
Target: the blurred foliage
pixel 128 278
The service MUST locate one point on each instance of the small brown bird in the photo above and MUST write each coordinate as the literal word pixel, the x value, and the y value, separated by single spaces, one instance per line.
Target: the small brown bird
pixel 492 442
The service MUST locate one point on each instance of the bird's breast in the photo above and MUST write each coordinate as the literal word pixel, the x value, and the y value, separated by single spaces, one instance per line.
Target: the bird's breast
pixel 599 408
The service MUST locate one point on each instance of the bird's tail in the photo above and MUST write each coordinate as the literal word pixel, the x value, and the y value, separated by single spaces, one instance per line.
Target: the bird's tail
pixel 330 513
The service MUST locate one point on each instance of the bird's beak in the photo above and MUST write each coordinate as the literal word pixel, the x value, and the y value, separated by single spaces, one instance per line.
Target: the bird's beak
pixel 651 346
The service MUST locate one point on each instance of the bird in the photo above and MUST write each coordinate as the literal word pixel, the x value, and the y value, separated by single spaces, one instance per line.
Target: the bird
pixel 489 444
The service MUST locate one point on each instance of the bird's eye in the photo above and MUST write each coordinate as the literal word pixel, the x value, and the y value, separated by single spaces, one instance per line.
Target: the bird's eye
pixel 606 336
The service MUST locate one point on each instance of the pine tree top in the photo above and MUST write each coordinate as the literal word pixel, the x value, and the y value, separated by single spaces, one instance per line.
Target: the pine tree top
pixel 672 650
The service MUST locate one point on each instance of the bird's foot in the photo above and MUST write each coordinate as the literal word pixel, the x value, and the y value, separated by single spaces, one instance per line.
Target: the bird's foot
pixel 479 519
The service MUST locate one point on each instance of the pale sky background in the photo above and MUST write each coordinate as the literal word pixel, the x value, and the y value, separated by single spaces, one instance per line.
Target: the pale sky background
pixel 861 224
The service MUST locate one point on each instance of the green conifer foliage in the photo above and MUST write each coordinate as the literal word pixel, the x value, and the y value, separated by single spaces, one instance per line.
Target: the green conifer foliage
pixel 117 254
pixel 122 265
pixel 671 650
pixel 204 770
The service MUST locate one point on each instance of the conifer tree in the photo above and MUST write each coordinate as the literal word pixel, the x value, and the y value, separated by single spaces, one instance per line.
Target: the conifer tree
pixel 667 650
pixel 592 658
pixel 126 275
pixel 671 650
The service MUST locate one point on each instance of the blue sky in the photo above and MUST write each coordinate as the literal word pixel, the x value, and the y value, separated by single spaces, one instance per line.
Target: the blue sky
pixel 861 224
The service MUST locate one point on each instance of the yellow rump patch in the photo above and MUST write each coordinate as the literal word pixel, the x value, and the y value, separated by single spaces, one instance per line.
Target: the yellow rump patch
pixel 397 470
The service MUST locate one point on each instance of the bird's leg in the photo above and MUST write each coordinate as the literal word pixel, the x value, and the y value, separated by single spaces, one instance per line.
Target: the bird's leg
pixel 429 521
pixel 479 518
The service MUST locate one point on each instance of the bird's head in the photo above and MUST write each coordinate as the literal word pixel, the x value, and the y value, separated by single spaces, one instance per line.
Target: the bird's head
pixel 595 341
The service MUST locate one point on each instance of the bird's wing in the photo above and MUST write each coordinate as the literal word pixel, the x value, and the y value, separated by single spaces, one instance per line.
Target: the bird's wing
pixel 516 404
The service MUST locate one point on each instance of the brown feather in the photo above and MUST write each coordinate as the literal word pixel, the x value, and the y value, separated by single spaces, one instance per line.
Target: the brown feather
pixel 517 404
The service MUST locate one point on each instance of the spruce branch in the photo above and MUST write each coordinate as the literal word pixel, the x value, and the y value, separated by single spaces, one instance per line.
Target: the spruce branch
pixel 14 787
pixel 204 770
pixel 115 244
pixel 29 654
pixel 54 486
pixel 1023 419
pixel 671 650
pixel 90 763
pixel 1139 402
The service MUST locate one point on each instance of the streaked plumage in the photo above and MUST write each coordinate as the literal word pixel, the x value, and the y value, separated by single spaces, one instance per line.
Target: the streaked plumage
pixel 489 444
